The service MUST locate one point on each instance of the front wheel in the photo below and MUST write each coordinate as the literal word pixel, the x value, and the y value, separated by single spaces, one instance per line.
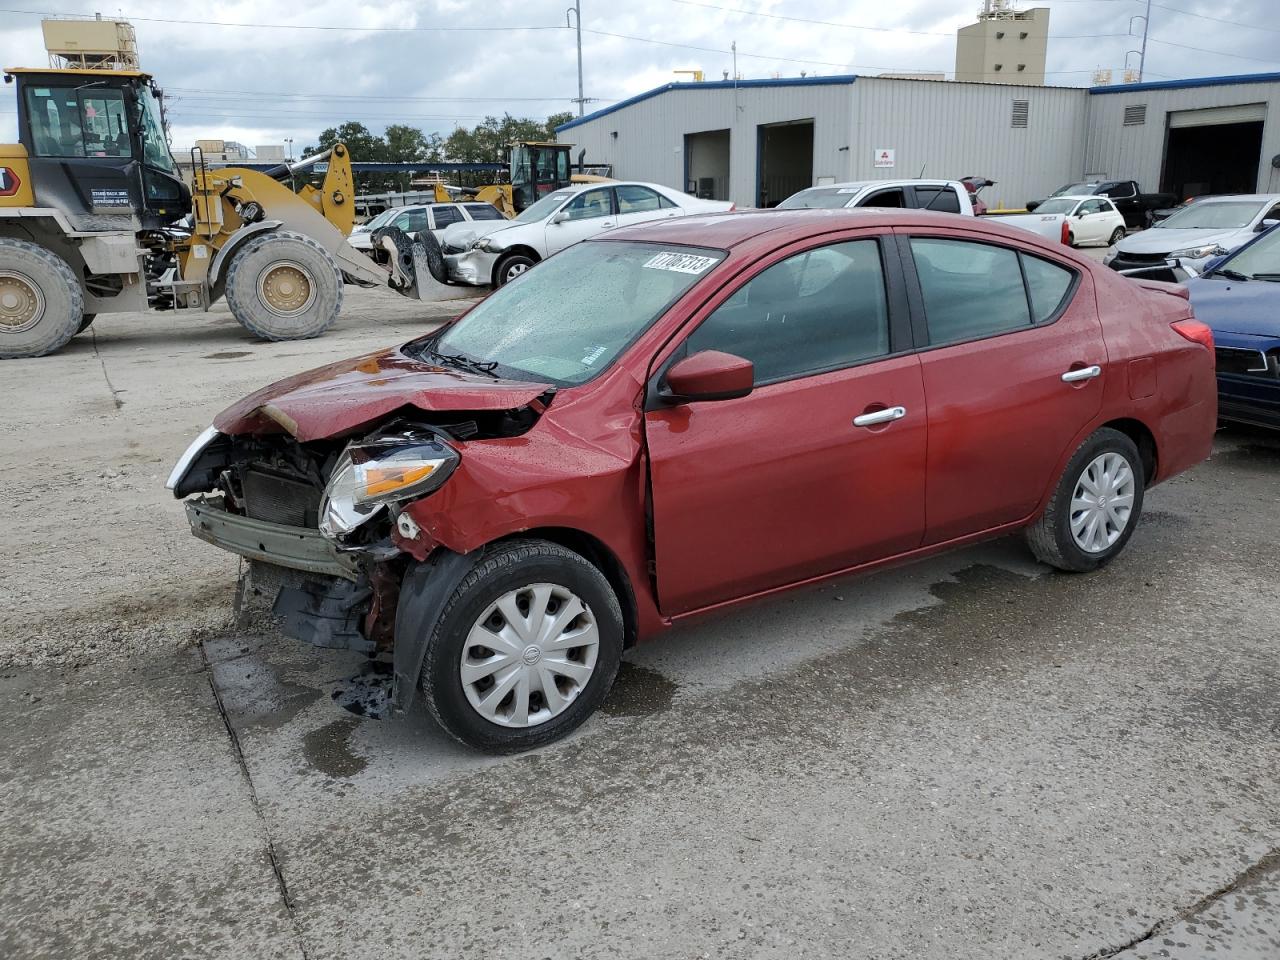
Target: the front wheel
pixel 525 650
pixel 1117 235
pixel 511 267
pixel 284 286
pixel 41 302
pixel 1095 507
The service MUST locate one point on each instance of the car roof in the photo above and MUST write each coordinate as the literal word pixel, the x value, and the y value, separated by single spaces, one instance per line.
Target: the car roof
pixel 723 231
pixel 860 184
pixel 1227 197
pixel 1079 196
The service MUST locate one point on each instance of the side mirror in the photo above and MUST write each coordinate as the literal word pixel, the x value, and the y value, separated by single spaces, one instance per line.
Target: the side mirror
pixel 1265 225
pixel 560 217
pixel 708 375
pixel 1032 204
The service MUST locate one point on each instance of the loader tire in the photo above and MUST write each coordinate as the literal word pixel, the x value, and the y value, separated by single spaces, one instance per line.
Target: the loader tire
pixel 435 256
pixel 284 286
pixel 41 302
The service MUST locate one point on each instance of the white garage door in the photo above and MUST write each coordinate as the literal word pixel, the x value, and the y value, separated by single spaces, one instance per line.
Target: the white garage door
pixel 1242 113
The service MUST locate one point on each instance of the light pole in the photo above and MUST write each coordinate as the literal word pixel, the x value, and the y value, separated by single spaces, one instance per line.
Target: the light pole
pixel 576 10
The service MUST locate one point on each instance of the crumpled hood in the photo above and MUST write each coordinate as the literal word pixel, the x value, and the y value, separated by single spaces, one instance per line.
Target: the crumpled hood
pixel 1234 306
pixel 462 234
pixel 1157 240
pixel 337 399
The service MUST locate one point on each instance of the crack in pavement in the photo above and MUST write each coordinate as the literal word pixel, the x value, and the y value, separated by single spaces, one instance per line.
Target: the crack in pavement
pixel 115 394
pixel 272 856
pixel 1268 862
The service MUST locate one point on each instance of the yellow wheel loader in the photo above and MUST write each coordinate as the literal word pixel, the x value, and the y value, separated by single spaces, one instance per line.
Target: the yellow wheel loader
pixel 96 218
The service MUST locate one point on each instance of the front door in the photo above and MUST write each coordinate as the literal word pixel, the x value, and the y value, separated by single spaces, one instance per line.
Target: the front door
pixel 783 485
pixel 1000 414
pixel 587 214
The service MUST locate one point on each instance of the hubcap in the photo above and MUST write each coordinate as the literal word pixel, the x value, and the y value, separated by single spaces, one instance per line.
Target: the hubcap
pixel 286 289
pixel 516 269
pixel 21 302
pixel 529 655
pixel 1102 502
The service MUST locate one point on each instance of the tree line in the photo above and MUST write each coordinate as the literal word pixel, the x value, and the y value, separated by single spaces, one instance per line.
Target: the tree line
pixel 484 143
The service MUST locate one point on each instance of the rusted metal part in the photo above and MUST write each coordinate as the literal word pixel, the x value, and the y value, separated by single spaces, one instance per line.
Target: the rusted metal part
pixel 380 620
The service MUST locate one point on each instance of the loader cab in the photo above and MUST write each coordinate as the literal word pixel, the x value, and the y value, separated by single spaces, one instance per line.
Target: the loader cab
pixel 96 147
pixel 537 169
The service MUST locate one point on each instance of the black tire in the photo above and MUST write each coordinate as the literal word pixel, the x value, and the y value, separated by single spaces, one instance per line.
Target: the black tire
pixel 510 267
pixel 86 322
pixel 504 567
pixel 1050 538
pixel 435 256
pixel 41 302
pixel 1116 236
pixel 1071 239
pixel 249 287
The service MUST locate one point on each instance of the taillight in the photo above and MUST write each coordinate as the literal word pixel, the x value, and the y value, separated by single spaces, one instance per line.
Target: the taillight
pixel 1066 234
pixel 1195 331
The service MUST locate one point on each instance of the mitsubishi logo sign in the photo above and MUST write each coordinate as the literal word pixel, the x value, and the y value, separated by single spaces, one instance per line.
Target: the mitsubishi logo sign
pixel 9 182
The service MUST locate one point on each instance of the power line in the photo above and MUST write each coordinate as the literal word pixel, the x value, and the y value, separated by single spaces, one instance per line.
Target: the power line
pixel 1204 16
pixel 201 93
pixel 1218 53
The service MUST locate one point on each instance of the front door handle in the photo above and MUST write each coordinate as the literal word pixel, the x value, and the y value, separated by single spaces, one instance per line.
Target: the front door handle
pixel 877 417
pixel 1084 373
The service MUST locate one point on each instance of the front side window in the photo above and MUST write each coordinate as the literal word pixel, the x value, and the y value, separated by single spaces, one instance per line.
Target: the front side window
pixel 818 310
pixel 445 214
pixel 413 221
pixel 970 290
pixel 155 148
pixel 633 199
pixel 885 198
pixel 568 319
pixel 85 122
pixel 590 203
pixel 1057 205
pixel 1091 206
pixel 544 207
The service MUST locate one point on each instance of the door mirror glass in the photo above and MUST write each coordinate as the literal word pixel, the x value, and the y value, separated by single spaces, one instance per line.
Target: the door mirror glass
pixel 560 217
pixel 1265 225
pixel 709 375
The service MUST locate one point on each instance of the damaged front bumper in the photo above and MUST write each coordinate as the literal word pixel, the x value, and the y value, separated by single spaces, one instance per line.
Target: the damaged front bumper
pixel 474 267
pixel 297 548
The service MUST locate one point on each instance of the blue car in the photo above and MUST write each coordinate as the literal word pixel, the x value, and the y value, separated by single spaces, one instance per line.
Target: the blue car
pixel 1239 297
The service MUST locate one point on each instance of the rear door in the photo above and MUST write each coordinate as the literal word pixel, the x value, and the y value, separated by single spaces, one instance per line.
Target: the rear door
pixel 443 214
pixel 783 484
pixel 999 331
pixel 637 204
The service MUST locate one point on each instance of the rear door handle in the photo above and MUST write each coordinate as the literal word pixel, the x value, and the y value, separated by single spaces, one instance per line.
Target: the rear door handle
pixel 880 416
pixel 1084 373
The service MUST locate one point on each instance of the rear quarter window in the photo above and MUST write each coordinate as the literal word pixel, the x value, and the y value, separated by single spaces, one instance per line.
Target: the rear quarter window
pixel 1048 287
pixel 484 211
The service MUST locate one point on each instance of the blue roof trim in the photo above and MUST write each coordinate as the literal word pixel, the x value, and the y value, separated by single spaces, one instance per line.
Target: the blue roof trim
pixel 1193 82
pixel 711 85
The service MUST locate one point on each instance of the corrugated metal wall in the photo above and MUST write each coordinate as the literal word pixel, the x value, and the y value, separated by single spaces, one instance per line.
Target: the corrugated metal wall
pixel 650 134
pixel 954 130
pixel 1137 152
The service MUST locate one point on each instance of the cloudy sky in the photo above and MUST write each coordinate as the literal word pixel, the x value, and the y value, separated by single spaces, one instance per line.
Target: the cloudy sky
pixel 437 64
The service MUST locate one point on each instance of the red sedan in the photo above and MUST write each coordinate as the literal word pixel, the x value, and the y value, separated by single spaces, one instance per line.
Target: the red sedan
pixel 686 415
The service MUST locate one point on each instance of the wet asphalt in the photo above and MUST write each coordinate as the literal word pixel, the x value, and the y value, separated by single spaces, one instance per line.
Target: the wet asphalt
pixel 972 757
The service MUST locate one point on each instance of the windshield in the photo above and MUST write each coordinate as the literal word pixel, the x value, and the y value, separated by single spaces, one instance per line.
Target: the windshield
pixel 1057 205
pixel 544 207
pixel 1075 189
pixel 1227 215
pixel 1260 257
pixel 821 198
pixel 570 317
pixel 155 149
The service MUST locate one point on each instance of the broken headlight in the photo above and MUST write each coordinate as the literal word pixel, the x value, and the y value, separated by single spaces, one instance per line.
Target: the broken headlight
pixel 371 474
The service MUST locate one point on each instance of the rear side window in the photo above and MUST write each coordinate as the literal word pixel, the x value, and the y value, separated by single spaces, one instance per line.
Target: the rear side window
pixel 818 310
pixel 445 214
pixel 1047 286
pixel 484 211
pixel 943 199
pixel 971 290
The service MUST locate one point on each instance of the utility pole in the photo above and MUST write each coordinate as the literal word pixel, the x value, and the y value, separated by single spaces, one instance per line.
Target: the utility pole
pixel 576 10
pixel 1146 26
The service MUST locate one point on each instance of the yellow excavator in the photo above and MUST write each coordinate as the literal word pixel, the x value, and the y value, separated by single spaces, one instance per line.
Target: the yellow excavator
pixel 96 218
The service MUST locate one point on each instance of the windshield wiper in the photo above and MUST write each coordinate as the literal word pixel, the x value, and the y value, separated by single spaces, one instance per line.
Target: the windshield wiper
pixel 1233 274
pixel 1273 277
pixel 461 362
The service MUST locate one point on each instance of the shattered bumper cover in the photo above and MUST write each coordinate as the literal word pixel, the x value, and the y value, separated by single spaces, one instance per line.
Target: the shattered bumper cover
pixel 297 548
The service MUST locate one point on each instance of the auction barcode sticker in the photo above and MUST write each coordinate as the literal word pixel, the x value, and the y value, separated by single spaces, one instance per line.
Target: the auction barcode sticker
pixel 680 262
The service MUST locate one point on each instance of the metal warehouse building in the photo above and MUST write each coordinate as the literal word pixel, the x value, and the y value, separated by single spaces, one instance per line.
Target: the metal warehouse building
pixel 756 142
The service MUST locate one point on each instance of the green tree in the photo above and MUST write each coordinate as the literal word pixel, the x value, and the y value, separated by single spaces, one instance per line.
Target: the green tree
pixel 555 120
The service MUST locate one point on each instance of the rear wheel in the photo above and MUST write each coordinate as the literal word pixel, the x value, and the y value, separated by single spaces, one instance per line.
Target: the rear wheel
pixel 41 302
pixel 284 286
pixel 512 266
pixel 525 649
pixel 1117 235
pixel 1095 507
pixel 1071 239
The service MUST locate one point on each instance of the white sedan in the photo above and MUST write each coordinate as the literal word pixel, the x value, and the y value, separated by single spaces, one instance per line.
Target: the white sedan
pixel 481 254
pixel 1091 221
